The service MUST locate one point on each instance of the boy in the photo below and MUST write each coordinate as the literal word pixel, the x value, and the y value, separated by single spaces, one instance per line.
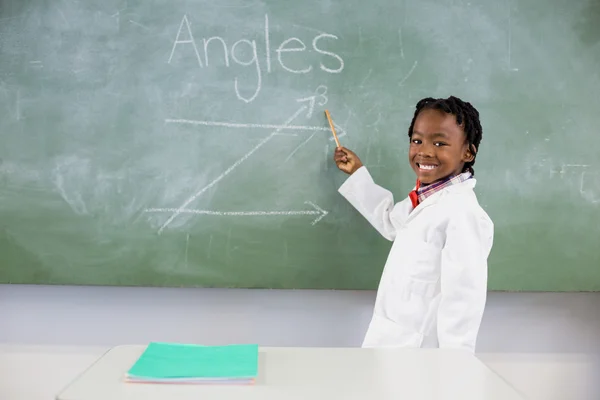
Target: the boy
pixel 432 292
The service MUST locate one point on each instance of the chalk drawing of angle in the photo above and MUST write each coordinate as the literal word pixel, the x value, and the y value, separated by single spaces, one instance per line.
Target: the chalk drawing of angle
pixel 314 211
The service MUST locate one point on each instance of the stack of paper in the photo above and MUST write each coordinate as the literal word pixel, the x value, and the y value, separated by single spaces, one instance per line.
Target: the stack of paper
pixel 187 363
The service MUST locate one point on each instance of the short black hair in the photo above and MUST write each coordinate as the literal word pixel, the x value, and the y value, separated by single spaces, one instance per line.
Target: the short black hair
pixel 465 114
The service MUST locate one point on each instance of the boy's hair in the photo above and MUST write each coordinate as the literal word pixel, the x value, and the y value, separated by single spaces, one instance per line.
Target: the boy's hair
pixel 465 114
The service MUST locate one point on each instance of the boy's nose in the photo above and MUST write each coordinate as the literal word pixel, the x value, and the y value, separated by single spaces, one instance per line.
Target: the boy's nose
pixel 426 151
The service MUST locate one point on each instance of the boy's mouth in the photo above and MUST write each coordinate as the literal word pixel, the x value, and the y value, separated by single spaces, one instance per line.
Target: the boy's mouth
pixel 426 167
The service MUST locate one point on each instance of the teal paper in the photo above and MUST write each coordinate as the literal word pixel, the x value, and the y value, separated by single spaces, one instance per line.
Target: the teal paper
pixel 173 360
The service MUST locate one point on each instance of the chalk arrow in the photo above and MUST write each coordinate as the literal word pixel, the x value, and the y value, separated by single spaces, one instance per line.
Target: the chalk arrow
pixel 316 211
pixel 309 107
pixel 341 132
pixel 311 104
pixel 225 124
pixel 322 212
pixel 232 167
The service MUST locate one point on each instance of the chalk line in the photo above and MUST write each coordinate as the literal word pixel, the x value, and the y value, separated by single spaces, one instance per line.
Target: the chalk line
pixel 299 147
pixel 317 211
pixel 247 125
pixel 409 73
pixel 230 169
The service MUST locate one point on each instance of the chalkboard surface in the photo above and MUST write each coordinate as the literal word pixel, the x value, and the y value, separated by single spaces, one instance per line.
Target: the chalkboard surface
pixel 184 143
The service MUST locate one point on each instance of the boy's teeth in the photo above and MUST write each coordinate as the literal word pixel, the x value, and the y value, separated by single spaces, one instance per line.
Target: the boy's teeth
pixel 426 166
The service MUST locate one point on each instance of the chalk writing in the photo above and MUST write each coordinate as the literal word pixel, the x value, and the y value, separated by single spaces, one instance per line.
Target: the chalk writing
pixel 245 52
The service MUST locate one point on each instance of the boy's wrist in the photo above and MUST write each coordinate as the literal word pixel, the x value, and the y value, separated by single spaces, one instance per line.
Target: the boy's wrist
pixel 358 166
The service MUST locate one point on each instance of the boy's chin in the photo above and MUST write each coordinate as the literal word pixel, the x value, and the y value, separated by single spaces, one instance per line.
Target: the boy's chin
pixel 427 179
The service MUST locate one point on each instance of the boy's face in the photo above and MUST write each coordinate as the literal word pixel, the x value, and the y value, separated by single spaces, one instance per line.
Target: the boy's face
pixel 438 146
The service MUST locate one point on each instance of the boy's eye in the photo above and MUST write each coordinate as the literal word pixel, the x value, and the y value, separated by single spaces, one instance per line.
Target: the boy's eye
pixel 440 144
pixel 416 141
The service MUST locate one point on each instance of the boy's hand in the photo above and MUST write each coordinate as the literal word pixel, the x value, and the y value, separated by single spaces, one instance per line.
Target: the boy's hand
pixel 346 160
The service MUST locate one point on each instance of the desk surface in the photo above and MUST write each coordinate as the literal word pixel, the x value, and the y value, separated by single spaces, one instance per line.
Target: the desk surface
pixel 312 373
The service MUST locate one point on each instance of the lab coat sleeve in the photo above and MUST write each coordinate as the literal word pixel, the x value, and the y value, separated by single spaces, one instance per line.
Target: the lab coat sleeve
pixel 463 280
pixel 375 203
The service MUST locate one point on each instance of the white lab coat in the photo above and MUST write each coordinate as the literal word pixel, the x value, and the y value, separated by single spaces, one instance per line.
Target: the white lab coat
pixel 433 288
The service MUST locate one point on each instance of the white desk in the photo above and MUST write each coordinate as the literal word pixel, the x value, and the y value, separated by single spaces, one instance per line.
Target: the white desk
pixel 312 374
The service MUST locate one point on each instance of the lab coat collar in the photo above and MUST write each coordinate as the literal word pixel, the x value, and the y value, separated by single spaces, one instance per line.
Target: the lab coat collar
pixel 467 185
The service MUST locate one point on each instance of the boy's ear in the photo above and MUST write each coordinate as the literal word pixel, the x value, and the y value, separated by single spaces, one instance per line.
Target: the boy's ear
pixel 469 154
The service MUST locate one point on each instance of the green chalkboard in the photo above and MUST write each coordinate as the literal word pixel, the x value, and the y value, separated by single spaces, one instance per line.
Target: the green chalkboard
pixel 184 142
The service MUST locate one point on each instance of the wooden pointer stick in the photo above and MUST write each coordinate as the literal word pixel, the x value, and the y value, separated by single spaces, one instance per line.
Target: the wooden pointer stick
pixel 332 128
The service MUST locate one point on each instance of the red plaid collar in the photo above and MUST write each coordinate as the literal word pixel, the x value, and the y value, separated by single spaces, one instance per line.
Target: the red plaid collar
pixel 420 193
pixel 425 191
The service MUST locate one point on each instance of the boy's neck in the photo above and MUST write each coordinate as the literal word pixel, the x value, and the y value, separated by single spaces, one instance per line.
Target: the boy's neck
pixel 439 180
pixel 447 178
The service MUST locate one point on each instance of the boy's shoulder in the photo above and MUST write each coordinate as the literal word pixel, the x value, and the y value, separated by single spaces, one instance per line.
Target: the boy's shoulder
pixel 459 214
pixel 460 201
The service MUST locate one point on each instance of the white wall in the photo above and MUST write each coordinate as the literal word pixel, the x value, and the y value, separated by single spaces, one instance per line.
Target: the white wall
pixel 545 344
